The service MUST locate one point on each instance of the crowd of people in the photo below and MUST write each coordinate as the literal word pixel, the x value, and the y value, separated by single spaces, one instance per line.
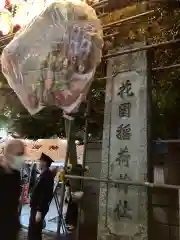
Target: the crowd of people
pixel 41 190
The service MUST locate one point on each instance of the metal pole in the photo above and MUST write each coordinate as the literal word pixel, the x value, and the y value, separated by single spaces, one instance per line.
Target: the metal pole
pixel 63 184
pixel 166 67
pixel 167 141
pixel 123 182
pixel 154 70
pixel 119 22
pixel 84 158
pixel 105 3
pixel 146 47
pixel 179 210
pixel 88 109
pixel 149 144
pixel 72 150
pixel 109 144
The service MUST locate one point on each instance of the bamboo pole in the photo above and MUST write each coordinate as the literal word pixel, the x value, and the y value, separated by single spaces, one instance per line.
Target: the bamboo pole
pixel 146 47
pixel 123 182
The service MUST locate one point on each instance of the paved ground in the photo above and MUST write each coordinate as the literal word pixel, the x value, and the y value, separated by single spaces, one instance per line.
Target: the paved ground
pixel 51 222
pixel 51 218
pixel 23 236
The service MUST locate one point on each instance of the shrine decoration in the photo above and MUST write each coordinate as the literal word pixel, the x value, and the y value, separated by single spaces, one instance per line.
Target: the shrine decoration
pixel 52 61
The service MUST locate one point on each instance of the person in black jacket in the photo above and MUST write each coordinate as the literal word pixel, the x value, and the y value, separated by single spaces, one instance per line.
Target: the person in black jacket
pixel 33 177
pixel 10 189
pixel 41 198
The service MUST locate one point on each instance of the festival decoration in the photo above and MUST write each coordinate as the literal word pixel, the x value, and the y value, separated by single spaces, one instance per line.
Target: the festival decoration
pixel 52 60
pixel 7 4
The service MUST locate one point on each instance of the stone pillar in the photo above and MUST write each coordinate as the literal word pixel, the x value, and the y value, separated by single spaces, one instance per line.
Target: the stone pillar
pixel 122 209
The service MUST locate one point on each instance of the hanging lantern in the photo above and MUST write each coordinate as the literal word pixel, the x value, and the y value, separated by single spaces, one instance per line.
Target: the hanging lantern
pixel 6 25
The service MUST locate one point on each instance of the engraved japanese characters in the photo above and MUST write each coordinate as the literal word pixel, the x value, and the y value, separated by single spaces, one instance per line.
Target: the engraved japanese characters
pixel 125 214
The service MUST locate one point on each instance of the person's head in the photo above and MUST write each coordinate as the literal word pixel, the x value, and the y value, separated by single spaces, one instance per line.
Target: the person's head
pixel 13 157
pixel 45 162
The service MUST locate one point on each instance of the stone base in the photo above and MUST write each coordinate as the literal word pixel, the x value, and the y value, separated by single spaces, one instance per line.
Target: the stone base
pixel 107 233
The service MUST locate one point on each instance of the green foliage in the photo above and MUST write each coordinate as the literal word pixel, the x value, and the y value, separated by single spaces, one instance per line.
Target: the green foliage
pixel 45 124
pixel 166 83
